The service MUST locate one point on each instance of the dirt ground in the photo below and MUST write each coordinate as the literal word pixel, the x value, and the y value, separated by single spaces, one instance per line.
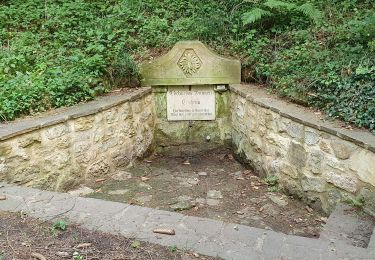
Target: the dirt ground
pixel 22 237
pixel 212 185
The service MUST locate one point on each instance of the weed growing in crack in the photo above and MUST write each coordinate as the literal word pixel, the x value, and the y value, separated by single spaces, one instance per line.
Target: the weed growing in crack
pixel 272 182
pixel 357 202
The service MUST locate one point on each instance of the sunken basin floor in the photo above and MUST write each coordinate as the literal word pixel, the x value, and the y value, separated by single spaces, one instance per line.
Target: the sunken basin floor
pixel 211 185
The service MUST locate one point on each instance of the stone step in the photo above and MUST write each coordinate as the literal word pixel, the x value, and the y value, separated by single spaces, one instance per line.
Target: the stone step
pixel 348 226
pixel 205 236
pixel 371 245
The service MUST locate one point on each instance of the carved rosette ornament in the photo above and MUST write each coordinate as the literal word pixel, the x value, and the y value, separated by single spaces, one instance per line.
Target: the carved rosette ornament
pixel 189 62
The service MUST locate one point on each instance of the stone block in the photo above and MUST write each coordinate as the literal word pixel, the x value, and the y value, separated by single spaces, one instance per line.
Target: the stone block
pixel 368 195
pixel 296 131
pixel 61 142
pixel 5 149
pixel 160 100
pixel 363 162
pixel 342 149
pixel 311 137
pixel 312 183
pixel 324 146
pixel 25 174
pixel 291 186
pixel 341 180
pixel 57 160
pixel 290 170
pixel 315 160
pixel 29 140
pixel 121 158
pixel 56 131
pixel 98 168
pixel 84 123
pixel 136 107
pixel 297 155
pixel 111 116
pixel 125 111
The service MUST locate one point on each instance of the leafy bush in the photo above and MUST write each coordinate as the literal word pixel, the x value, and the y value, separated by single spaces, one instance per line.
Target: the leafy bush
pixel 61 52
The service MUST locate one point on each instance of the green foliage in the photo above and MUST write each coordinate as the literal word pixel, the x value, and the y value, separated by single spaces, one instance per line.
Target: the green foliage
pixel 272 182
pixel 173 248
pixel 136 244
pixel 77 256
pixel 358 201
pixel 59 225
pixel 255 15
pixel 59 53
pixel 279 11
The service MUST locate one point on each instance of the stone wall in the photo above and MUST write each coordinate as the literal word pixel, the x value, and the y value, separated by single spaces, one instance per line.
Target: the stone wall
pixel 90 140
pixel 317 160
pixel 314 159
pixel 174 133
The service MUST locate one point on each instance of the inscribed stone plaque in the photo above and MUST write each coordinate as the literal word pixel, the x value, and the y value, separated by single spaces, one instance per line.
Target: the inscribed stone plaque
pixel 194 103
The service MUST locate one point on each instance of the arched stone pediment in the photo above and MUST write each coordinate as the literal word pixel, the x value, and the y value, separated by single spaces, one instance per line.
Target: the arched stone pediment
pixel 191 63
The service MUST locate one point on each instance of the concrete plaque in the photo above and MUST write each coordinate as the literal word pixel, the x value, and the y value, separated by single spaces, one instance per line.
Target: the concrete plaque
pixel 190 103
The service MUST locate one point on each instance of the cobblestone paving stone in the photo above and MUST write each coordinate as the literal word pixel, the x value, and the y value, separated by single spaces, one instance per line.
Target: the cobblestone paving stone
pixel 205 236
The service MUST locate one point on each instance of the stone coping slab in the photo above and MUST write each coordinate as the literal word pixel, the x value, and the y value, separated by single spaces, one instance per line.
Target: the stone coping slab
pixel 9 130
pixel 303 115
pixel 205 236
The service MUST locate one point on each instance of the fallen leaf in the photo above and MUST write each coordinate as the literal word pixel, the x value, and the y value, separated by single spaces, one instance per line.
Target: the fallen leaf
pixel 62 254
pixel 38 256
pixel 247 172
pixel 83 245
pixel 164 231
pixel 186 162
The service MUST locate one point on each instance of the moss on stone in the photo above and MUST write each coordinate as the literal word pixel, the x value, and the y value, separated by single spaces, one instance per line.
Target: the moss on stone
pixel 222 104
pixel 160 99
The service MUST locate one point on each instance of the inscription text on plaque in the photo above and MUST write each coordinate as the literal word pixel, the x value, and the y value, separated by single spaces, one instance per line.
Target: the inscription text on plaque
pixel 194 103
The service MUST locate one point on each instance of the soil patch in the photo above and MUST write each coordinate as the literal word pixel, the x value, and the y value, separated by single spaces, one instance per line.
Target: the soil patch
pixel 212 185
pixel 21 237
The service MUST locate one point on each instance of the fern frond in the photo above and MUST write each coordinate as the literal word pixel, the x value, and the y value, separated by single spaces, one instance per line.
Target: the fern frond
pixel 276 4
pixel 311 12
pixel 254 15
